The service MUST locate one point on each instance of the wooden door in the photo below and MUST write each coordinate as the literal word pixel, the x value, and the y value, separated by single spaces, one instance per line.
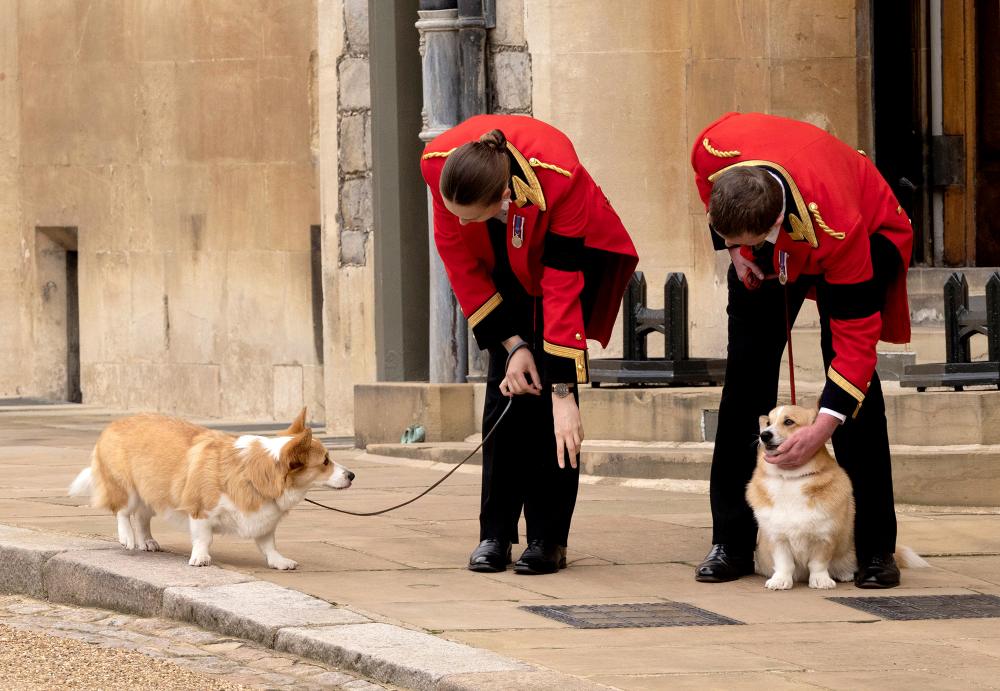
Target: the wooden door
pixel 987 183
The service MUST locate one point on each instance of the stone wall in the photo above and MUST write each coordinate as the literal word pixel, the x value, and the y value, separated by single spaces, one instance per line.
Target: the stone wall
pixel 177 140
pixel 345 197
pixel 509 61
pixel 13 314
pixel 633 83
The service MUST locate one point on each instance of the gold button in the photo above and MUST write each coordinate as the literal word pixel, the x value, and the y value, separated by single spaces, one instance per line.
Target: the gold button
pixel 899 209
pixel 579 337
pixel 813 206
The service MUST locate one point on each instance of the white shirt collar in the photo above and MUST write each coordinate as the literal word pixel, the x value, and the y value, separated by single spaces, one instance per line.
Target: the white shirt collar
pixel 772 236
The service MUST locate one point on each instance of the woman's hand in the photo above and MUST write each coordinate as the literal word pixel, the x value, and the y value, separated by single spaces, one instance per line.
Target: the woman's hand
pixel 743 266
pixel 522 375
pixel 568 429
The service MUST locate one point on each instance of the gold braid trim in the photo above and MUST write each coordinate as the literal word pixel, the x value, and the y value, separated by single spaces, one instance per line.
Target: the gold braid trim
pixel 839 379
pixel 577 355
pixel 437 154
pixel 814 210
pixel 716 152
pixel 484 311
pixel 535 163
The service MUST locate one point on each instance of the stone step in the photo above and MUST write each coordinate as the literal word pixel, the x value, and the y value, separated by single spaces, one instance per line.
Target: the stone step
pixel 687 415
pixel 927 343
pixel 450 412
pixel 956 475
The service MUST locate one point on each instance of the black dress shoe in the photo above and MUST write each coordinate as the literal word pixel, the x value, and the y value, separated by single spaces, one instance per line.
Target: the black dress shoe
pixel 881 571
pixel 723 564
pixel 490 556
pixel 541 557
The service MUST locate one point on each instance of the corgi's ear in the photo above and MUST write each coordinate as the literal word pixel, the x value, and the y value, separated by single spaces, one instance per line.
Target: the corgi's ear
pixel 296 451
pixel 763 422
pixel 298 424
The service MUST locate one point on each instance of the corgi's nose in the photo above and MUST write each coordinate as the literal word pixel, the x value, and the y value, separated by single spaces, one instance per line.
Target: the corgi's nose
pixel 766 436
pixel 350 476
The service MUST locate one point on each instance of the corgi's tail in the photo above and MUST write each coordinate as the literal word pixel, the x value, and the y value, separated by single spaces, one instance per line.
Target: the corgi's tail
pixel 908 559
pixel 83 485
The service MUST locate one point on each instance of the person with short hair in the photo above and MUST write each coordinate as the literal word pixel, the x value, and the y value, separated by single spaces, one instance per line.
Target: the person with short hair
pixel 539 262
pixel 803 214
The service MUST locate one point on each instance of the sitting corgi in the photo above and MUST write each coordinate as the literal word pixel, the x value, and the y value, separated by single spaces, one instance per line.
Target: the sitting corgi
pixel 148 464
pixel 805 515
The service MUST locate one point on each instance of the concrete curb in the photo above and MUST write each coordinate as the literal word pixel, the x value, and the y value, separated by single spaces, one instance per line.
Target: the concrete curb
pixel 98 573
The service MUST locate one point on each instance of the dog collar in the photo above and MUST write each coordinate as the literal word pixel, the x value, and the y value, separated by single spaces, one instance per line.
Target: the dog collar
pixel 799 477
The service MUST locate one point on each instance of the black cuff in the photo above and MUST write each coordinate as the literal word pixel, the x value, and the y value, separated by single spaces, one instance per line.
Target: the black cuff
pixel 840 395
pixel 492 323
pixel 562 365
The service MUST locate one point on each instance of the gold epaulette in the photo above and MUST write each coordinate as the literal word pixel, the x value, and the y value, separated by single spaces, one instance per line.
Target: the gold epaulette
pixel 437 154
pixel 535 163
pixel 716 152
pixel 814 209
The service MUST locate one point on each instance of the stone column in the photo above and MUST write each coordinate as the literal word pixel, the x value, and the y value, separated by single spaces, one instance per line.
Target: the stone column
pixel 439 51
pixel 472 54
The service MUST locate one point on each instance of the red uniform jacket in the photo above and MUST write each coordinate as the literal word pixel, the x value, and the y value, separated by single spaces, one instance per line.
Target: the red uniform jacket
pixel 840 200
pixel 557 214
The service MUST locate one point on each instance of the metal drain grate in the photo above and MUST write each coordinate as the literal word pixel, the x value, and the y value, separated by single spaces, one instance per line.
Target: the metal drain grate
pixel 910 607
pixel 637 615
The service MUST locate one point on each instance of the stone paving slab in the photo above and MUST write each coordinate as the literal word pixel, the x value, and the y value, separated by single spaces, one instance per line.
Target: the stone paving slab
pixel 131 582
pixel 418 660
pixel 95 573
pixel 23 554
pixel 254 610
pixel 631 542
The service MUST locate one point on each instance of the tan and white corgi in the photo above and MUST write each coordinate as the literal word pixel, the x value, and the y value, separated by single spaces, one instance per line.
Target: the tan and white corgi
pixel 145 465
pixel 805 515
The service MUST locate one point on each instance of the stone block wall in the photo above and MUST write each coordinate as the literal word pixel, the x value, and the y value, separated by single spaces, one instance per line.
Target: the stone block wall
pixel 509 61
pixel 633 83
pixel 177 140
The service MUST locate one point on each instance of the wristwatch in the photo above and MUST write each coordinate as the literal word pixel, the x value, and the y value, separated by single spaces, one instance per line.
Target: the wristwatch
pixel 562 390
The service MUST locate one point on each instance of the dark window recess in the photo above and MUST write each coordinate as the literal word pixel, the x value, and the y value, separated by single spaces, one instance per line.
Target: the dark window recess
pixel 316 264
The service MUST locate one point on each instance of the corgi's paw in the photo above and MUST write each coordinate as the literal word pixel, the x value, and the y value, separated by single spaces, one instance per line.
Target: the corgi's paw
pixel 282 564
pixel 200 560
pixel 778 582
pixel 821 581
pixel 127 542
pixel 150 545
pixel 844 577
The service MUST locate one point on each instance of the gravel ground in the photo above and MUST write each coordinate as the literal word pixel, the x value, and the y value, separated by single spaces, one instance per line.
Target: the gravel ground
pixel 48 646
pixel 38 661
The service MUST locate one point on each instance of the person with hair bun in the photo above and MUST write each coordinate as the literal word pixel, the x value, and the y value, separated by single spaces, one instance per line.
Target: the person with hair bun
pixel 539 262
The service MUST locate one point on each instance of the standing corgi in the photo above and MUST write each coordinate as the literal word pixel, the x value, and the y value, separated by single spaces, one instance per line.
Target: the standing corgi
pixel 148 464
pixel 805 515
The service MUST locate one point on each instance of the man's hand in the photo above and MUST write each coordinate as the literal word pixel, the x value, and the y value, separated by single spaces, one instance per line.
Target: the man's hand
pixel 746 270
pixel 522 375
pixel 568 429
pixel 799 448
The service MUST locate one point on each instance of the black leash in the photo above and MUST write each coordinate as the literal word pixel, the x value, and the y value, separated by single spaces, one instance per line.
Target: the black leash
pixel 446 476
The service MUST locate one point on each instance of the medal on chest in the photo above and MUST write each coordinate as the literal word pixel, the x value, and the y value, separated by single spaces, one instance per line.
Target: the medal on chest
pixel 782 267
pixel 517 232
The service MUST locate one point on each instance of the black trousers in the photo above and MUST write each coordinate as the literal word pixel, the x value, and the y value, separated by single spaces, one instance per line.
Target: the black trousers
pixel 519 465
pixel 861 445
